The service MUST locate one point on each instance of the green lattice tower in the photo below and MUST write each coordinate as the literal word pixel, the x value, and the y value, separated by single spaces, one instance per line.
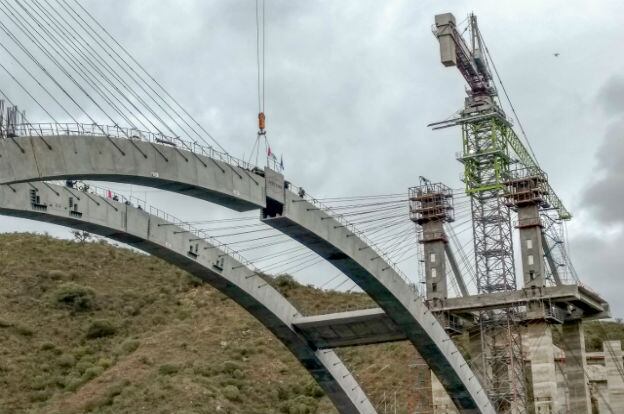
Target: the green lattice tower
pixel 486 158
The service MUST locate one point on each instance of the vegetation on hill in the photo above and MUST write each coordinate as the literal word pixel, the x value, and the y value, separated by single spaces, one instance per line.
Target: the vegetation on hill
pixel 90 327
pixel 96 328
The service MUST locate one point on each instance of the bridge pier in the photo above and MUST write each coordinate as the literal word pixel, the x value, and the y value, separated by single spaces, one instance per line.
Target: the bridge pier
pixel 575 367
pixel 612 351
pixel 538 342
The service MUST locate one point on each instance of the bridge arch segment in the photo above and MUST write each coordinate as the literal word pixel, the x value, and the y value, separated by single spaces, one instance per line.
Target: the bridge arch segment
pixel 202 173
pixel 134 226
pixel 30 158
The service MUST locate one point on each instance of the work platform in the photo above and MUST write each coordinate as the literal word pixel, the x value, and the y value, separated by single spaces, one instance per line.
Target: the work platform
pixel 371 326
pixel 575 301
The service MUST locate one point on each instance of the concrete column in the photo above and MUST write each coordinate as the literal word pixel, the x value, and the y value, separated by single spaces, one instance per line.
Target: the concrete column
pixel 540 351
pixel 562 386
pixel 575 367
pixel 538 334
pixel 533 266
pixel 614 370
pixel 442 403
pixel 435 260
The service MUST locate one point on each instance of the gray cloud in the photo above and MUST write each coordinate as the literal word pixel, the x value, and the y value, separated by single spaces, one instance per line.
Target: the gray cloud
pixel 611 96
pixel 598 248
pixel 604 195
pixel 599 262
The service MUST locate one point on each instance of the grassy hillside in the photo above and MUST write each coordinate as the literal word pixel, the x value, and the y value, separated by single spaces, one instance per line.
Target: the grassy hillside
pixel 96 328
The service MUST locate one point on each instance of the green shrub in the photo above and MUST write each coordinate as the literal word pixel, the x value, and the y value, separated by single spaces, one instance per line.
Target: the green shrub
pixel 66 361
pixel 83 350
pixel 283 393
pixel 40 396
pixel 38 383
pixel 127 347
pixel 285 282
pixel 55 274
pixel 105 363
pixel 73 383
pixel 232 393
pixel 312 389
pixel 114 391
pixel 237 373
pixel 100 328
pixel 299 405
pixel 203 369
pixel 229 367
pixel 168 369
pixel 48 346
pixel 23 330
pixel 91 373
pixel 82 366
pixel 75 297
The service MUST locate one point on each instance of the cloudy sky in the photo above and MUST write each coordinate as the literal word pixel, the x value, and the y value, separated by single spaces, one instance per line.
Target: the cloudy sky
pixel 352 84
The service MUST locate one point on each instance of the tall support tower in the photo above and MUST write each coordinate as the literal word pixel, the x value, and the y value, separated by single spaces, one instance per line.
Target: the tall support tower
pixel 525 193
pixel 490 149
pixel 497 346
pixel 430 206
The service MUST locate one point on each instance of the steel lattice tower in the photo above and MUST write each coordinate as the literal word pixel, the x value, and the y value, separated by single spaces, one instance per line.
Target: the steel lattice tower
pixel 486 168
pixel 486 162
pixel 486 134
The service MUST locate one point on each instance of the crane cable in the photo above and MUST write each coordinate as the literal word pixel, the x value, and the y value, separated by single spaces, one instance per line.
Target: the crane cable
pixel 513 109
pixel 261 69
pixel 260 55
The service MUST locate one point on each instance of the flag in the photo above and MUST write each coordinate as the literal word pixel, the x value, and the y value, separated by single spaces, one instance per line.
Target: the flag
pixel 109 194
pixel 269 152
pixel 281 162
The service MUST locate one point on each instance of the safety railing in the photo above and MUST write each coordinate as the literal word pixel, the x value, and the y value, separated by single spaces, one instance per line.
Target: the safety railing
pixel 115 131
pixel 102 192
pixel 353 228
pixel 132 201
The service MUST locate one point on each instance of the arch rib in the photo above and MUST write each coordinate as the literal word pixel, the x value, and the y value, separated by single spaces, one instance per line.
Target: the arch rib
pixel 166 167
pixel 344 249
pixel 91 157
pixel 144 231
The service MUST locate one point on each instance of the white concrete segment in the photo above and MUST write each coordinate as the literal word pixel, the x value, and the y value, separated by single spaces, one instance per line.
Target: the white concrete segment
pixel 130 161
pixel 142 230
pixel 333 241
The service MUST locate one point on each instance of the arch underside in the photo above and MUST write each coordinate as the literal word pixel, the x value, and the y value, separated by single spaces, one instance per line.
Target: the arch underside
pixel 144 231
pixel 27 159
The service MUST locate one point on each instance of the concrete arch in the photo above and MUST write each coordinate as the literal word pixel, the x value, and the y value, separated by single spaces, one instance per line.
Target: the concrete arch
pixel 166 167
pixel 49 203
pixel 112 159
